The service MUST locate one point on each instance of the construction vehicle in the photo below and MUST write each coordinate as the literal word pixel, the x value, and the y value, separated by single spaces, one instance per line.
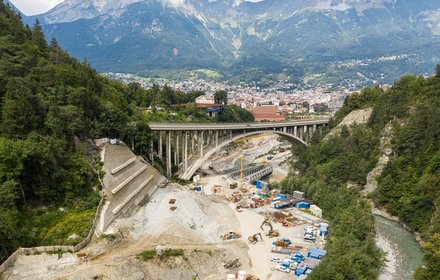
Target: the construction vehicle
pixel 272 232
pixel 231 235
pixel 254 238
pixel 285 242
pixel 232 264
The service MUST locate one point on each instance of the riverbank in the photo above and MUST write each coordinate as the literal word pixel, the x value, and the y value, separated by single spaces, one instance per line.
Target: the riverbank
pixel 380 212
pixel 403 253
pixel 400 244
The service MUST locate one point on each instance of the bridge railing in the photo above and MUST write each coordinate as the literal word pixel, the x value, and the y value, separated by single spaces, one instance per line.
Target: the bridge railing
pixel 249 125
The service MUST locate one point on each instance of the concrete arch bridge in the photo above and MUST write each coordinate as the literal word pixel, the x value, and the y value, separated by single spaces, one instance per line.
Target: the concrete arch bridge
pixel 186 146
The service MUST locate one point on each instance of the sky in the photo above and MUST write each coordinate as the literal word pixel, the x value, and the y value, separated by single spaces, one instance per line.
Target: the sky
pixel 34 7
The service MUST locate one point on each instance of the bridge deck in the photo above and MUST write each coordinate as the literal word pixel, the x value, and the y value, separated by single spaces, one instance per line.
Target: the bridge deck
pixel 232 126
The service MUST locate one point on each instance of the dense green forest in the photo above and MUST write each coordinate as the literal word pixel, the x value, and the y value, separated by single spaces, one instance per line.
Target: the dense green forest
pixel 332 171
pixel 324 168
pixel 51 106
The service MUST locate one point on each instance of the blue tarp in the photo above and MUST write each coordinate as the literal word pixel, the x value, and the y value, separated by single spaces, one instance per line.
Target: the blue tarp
pixel 302 205
pixel 316 253
pixel 259 185
pixel 280 196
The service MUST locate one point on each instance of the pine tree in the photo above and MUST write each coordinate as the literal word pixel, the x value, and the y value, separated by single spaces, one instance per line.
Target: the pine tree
pixel 38 36
pixel 56 54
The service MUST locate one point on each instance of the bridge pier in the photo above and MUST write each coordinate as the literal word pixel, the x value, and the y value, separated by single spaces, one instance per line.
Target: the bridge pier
pixel 187 145
pixel 185 151
pixel 193 142
pixel 201 144
pixel 160 146
pixel 176 148
pixel 152 151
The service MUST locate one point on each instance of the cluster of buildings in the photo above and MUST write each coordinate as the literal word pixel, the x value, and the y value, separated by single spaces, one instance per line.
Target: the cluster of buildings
pixel 279 105
pixel 278 102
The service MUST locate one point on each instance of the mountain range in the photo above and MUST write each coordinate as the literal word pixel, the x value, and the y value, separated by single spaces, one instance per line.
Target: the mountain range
pixel 304 40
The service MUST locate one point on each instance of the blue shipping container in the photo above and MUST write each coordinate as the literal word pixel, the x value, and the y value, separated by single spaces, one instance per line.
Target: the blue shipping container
pixel 302 205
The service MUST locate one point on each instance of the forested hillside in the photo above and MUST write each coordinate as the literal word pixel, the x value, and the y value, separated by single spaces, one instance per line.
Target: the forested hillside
pixel 51 106
pixel 334 170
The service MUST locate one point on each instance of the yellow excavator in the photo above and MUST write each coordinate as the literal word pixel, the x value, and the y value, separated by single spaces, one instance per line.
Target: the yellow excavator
pixel 254 238
pixel 272 232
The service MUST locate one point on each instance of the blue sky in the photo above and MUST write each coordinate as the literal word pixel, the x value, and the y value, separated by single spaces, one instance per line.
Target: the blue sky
pixel 33 7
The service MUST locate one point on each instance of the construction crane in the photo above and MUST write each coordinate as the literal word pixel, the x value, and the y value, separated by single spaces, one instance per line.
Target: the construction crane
pixel 240 182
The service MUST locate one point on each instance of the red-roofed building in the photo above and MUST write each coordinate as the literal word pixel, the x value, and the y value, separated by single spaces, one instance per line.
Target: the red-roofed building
pixel 268 114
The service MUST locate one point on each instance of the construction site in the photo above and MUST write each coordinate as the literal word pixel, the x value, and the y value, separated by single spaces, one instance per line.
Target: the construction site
pixel 226 224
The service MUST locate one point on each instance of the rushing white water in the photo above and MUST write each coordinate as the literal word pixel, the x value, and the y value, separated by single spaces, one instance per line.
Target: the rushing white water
pixel 403 253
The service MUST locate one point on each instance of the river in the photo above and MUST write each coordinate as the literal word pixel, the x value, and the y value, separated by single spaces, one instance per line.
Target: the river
pixel 404 254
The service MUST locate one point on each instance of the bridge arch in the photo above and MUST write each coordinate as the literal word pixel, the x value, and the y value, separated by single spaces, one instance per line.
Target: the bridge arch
pixel 190 172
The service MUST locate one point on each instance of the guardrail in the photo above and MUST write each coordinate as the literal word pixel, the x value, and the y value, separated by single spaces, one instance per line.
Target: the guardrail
pixel 224 126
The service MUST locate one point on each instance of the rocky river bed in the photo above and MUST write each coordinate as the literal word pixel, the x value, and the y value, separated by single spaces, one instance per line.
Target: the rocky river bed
pixel 403 253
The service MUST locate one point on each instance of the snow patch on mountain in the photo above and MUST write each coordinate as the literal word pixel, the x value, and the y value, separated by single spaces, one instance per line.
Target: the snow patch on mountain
pixel 432 19
pixel 343 5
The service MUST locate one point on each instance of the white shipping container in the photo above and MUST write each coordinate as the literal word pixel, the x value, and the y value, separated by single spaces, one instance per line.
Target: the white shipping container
pixel 316 210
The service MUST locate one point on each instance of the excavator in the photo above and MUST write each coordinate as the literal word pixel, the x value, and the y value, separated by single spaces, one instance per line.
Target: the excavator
pixel 272 232
pixel 254 238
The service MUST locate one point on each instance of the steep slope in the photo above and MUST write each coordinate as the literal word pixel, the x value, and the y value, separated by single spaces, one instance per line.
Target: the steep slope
pixel 299 37
pixel 400 144
pixel 51 105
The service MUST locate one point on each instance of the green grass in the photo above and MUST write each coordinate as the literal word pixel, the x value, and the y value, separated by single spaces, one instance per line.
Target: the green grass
pixel 167 253
pixel 148 255
pixel 50 226
pixel 110 237
pixel 173 253
pixel 70 223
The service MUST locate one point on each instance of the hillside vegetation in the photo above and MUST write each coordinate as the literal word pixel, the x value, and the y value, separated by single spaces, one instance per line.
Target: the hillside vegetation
pixel 51 106
pixel 333 171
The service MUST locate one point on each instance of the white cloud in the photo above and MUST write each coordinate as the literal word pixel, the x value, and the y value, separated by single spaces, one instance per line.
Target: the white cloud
pixel 34 7
pixel 175 3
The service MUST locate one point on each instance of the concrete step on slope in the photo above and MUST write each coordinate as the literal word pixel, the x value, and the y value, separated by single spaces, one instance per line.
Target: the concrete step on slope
pixel 128 198
pixel 122 166
pixel 128 180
